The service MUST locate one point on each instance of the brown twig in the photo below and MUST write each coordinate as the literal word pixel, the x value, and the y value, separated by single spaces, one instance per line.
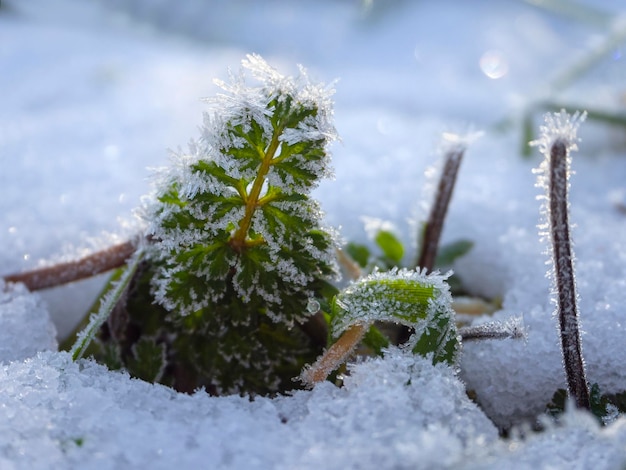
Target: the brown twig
pixel 335 355
pixel 437 216
pixel 63 273
pixel 564 274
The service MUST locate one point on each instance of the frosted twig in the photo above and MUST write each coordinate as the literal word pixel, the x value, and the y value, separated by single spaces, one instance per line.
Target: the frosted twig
pixel 109 301
pixel 564 275
pixel 334 356
pixel 434 225
pixel 63 273
pixel 559 137
pixel 512 329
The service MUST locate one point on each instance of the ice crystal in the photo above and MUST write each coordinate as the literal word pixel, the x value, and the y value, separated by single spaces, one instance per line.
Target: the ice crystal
pixel 557 126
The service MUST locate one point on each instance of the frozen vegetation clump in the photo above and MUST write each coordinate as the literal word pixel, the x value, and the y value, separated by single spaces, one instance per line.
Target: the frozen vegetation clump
pixel 231 289
pixel 236 253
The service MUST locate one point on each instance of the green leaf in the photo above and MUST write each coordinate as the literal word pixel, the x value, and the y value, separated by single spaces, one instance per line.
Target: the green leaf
pixel 359 253
pixel 108 302
pixel 528 133
pixel 391 245
pixel 449 253
pixel 375 340
pixel 411 298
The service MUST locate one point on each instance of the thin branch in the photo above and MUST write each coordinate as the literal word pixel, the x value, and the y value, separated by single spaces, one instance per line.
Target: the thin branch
pixel 512 329
pixel 564 274
pixel 352 269
pixel 434 225
pixel 63 273
pixel 334 356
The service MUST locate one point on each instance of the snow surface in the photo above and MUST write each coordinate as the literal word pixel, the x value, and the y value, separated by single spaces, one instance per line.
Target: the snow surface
pixel 92 93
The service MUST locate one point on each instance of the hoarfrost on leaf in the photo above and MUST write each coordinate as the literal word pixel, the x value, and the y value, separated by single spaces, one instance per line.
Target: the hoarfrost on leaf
pixel 408 297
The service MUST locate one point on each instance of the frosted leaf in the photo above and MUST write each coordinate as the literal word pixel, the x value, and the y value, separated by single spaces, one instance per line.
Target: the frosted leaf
pixel 411 298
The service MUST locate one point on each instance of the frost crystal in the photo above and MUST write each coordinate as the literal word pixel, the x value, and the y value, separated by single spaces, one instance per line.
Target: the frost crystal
pixel 557 126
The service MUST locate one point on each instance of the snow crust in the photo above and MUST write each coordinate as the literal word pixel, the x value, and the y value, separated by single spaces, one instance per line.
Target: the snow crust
pixel 92 93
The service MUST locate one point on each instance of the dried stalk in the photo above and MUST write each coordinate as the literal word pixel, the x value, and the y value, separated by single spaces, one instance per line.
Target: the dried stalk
pixel 564 274
pixel 63 273
pixel 437 216
pixel 334 356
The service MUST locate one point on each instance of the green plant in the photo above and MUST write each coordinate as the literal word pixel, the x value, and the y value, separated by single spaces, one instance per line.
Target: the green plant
pixel 236 254
pixel 406 297
pixel 230 288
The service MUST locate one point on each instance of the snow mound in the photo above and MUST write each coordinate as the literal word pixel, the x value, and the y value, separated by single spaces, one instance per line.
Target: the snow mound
pixel 393 412
pixel 25 326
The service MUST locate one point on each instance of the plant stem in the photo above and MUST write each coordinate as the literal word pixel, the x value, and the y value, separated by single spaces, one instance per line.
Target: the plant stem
pixel 238 241
pixel 434 225
pixel 334 356
pixel 63 273
pixel 564 274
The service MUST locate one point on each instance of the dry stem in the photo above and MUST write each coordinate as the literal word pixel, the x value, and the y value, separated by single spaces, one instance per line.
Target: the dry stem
pixel 434 225
pixel 334 356
pixel 63 273
pixel 564 275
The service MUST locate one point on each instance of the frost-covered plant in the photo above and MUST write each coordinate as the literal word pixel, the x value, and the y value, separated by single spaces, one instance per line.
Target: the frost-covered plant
pixel 235 213
pixel 411 298
pixel 236 255
pixel 229 288
pixel 559 138
pixel 416 299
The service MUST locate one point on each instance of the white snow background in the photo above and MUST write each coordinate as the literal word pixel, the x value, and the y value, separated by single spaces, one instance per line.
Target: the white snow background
pixel 94 92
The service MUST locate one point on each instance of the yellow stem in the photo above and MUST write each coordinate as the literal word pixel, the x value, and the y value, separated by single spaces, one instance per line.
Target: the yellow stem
pixel 238 241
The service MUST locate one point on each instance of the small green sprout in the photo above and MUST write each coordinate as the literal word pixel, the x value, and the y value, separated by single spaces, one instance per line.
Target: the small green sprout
pixel 411 298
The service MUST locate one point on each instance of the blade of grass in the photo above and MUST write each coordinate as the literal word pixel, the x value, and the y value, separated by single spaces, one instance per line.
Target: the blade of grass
pixel 109 301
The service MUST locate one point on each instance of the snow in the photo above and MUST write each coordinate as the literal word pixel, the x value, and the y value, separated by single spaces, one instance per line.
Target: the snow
pixel 92 93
